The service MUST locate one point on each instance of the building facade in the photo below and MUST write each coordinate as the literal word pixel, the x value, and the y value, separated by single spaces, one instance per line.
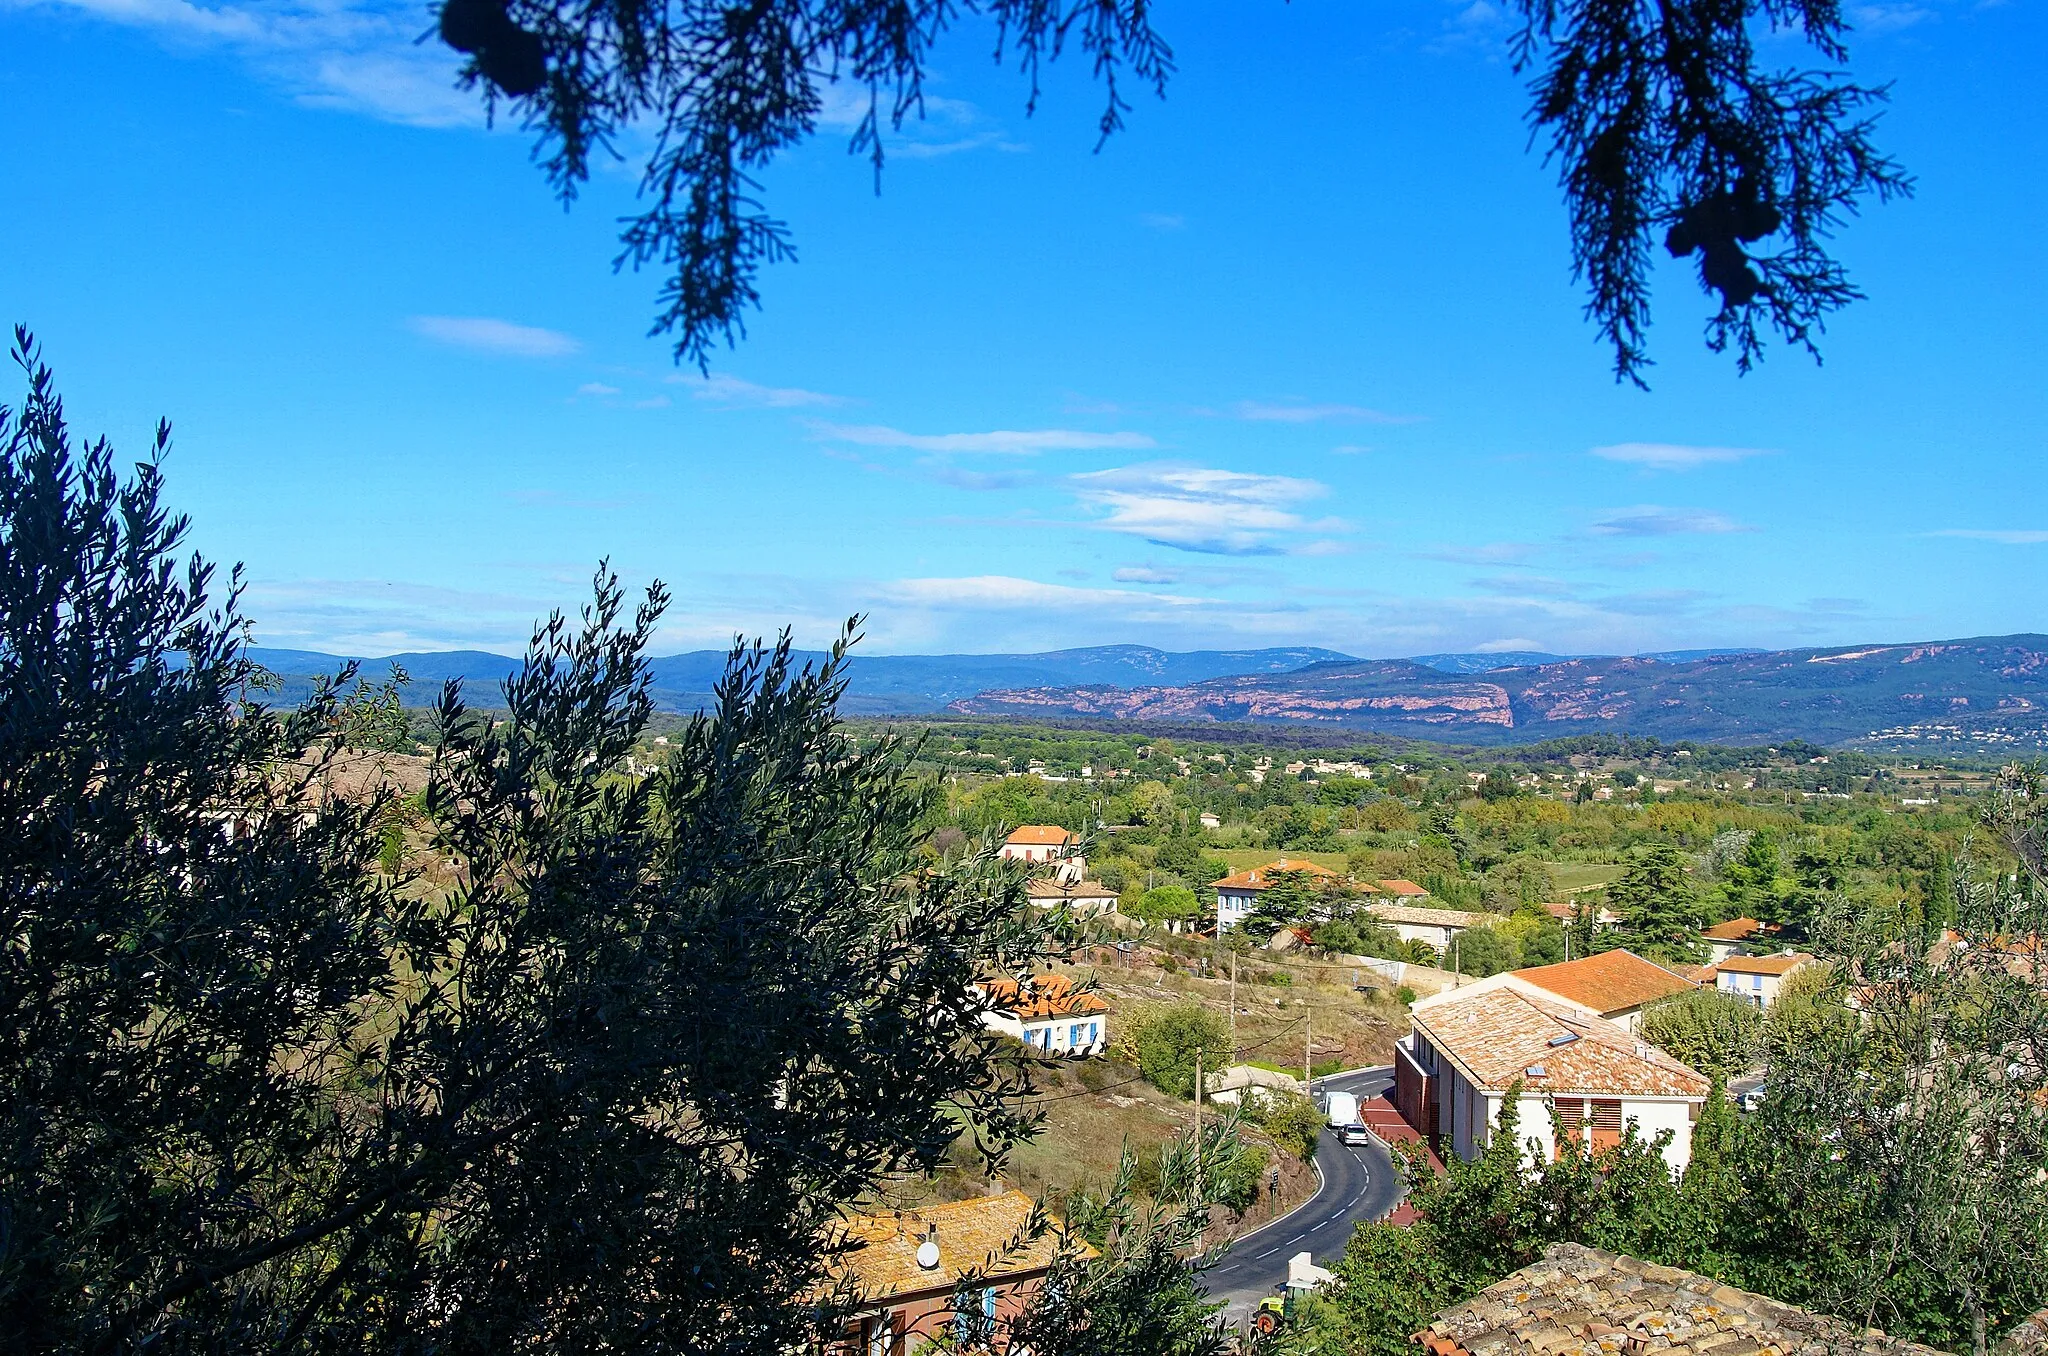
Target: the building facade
pixel 1047 1014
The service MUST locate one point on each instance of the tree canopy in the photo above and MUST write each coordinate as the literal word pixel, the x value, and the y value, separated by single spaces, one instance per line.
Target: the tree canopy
pixel 1665 124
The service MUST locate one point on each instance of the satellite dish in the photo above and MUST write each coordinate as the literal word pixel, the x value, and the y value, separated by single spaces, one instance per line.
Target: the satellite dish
pixel 927 1254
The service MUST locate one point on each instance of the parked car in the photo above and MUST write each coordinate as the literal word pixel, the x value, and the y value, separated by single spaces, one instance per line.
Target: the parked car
pixel 1753 1100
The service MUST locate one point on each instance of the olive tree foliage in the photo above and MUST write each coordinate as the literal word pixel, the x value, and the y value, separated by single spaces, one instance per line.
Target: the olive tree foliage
pixel 1910 1133
pixel 1665 124
pixel 607 1092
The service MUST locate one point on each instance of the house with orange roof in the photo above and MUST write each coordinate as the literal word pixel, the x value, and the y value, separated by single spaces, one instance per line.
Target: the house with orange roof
pixel 1758 978
pixel 1078 896
pixel 1469 1048
pixel 1734 936
pixel 1432 927
pixel 1237 894
pixel 1047 1013
pixel 1047 843
pixel 905 1266
pixel 1401 889
pixel 1616 984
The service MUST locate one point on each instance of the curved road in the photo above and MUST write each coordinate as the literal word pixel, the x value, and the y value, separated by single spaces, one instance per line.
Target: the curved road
pixel 1358 1184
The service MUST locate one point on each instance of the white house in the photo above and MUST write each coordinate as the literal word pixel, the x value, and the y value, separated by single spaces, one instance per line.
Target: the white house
pixel 1433 926
pixel 1757 978
pixel 1081 896
pixel 1047 1014
pixel 1237 894
pixel 1047 843
pixel 1211 820
pixel 1733 937
pixel 1468 1047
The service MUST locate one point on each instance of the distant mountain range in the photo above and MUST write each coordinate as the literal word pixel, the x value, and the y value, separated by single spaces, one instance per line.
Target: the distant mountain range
pixel 1987 692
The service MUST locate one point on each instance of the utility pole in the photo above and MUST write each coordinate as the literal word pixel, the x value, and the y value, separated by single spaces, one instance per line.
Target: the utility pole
pixel 1198 1122
pixel 1308 1041
pixel 1236 1055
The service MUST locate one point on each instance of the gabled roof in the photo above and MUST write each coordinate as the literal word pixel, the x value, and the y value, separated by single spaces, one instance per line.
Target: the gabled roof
pixel 1405 888
pixel 1581 1301
pixel 1042 996
pixel 1039 835
pixel 981 1232
pixel 1735 930
pixel 1508 1034
pixel 1259 877
pixel 1610 981
pixel 1052 889
pixel 1764 965
pixel 1421 917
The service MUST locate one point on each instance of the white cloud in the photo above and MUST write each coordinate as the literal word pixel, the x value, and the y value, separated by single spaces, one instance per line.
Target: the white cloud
pixel 1673 456
pixel 485 334
pixel 596 388
pixel 1007 591
pixel 1649 520
pixel 1350 449
pixel 355 55
pixel 1511 643
pixel 1198 508
pixel 1145 574
pixel 2003 536
pixel 724 389
pixel 1026 441
pixel 1302 412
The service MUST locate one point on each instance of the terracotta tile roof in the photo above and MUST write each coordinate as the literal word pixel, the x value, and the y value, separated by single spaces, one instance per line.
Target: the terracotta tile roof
pixel 983 1232
pixel 1764 965
pixel 1580 1301
pixel 1735 930
pixel 1611 981
pixel 1052 889
pixel 1407 888
pixel 1436 918
pixel 1259 877
pixel 1045 996
pixel 1504 1035
pixel 1039 835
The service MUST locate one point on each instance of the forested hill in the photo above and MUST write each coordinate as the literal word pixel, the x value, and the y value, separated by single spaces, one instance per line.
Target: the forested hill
pixel 1989 692
pixel 1986 692
pixel 880 684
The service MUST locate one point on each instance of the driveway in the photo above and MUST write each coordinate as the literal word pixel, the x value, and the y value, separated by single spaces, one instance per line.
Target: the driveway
pixel 1359 1183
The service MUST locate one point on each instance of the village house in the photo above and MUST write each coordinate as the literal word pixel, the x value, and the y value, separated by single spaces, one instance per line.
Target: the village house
pixel 1618 984
pixel 1733 937
pixel 1081 896
pixel 1237 894
pixel 1469 1046
pixel 1581 1301
pixel 1047 843
pixel 1433 927
pixel 1047 1014
pixel 1400 889
pixel 1757 978
pixel 906 1265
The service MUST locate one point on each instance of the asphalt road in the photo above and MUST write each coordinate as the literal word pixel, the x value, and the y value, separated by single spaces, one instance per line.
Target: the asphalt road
pixel 1358 1184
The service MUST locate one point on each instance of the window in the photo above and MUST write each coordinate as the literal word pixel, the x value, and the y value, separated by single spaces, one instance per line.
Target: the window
pixel 1094 1032
pixel 1606 1121
pixel 1074 1034
pixel 1571 1121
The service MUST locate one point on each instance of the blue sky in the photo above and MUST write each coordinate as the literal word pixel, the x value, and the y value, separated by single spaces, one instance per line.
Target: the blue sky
pixel 1295 359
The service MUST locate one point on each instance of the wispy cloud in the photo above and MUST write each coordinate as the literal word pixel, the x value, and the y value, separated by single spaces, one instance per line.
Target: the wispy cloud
pixel 485 334
pixel 1888 18
pixel 1144 574
pixel 723 389
pixel 1350 449
pixel 2003 536
pixel 1487 553
pixel 1011 441
pixel 1674 456
pixel 1163 221
pixel 1649 520
pixel 1198 508
pixel 938 126
pixel 1304 412
pixel 596 388
pixel 354 55
pixel 1007 591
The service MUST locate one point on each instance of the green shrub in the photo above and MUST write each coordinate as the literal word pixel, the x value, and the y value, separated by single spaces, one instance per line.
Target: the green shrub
pixel 1168 1040
pixel 1293 1122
